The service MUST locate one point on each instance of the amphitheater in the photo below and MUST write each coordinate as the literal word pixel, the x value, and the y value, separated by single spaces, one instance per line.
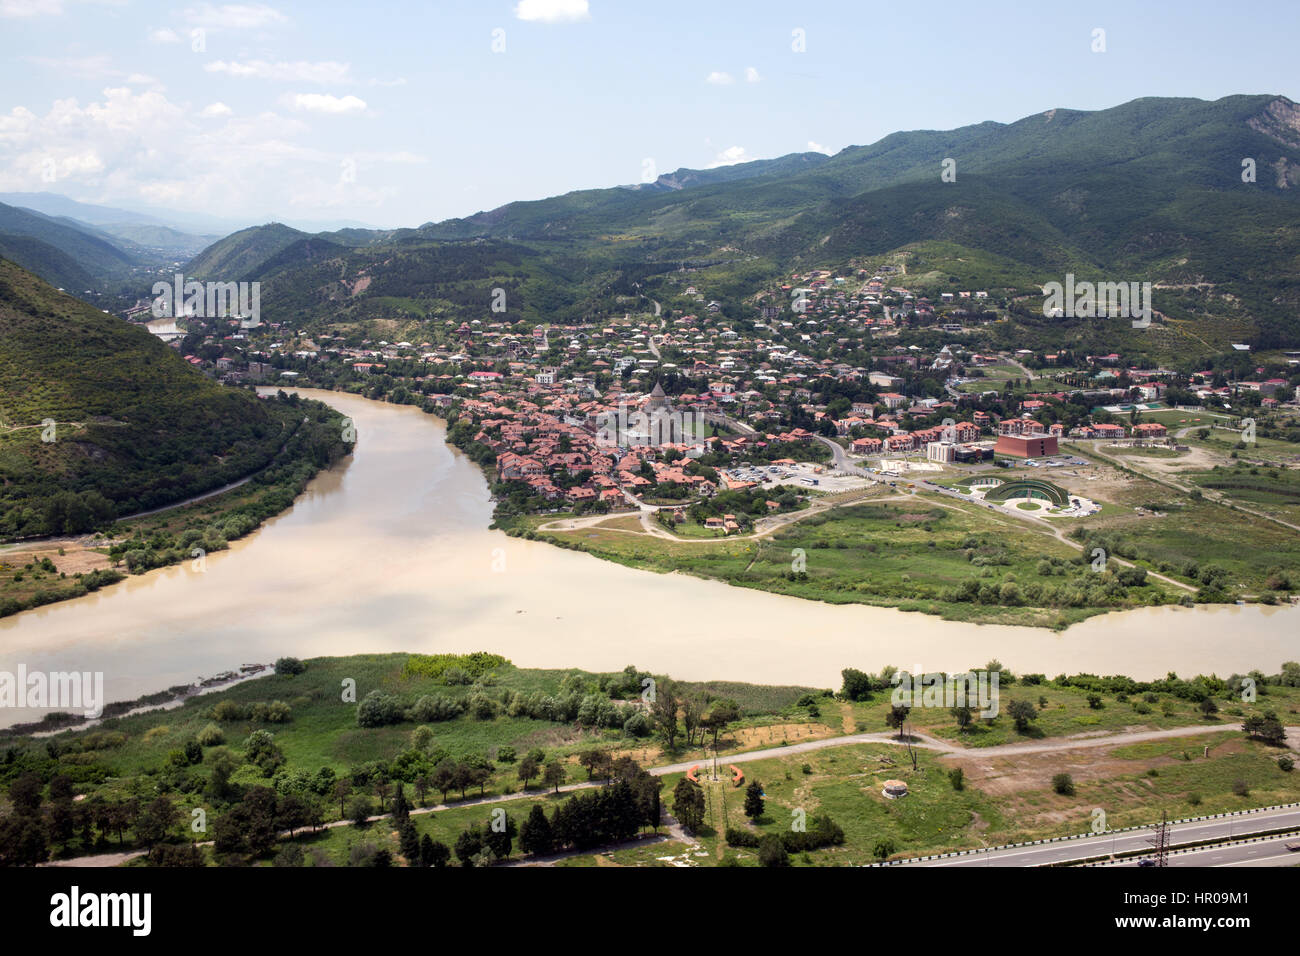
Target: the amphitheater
pixel 1032 494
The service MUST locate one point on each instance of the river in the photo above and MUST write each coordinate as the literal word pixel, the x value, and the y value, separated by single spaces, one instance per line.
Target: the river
pixel 389 551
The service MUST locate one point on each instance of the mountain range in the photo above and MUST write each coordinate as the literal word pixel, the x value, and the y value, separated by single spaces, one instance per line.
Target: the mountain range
pixel 1202 198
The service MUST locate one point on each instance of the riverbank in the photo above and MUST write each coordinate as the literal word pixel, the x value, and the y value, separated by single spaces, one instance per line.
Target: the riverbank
pixel 398 533
pixel 459 736
pixel 39 573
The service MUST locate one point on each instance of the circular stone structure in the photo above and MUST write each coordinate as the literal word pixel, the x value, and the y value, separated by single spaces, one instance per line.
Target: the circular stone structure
pixel 1030 488
pixel 894 789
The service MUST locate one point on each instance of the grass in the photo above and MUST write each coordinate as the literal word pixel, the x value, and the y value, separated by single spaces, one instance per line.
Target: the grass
pixel 912 555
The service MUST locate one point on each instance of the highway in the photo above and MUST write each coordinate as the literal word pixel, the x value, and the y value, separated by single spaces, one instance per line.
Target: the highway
pixel 1104 844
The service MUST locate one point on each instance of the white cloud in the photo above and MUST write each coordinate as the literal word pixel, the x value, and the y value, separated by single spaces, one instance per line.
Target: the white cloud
pixel 164 35
pixel 718 78
pixel 730 157
pixel 234 16
pixel 300 71
pixel 552 11
pixel 324 103
pixel 751 74
pixel 817 148
pixel 213 110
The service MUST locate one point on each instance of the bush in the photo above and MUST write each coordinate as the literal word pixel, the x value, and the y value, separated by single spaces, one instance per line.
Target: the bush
pixel 772 852
pixel 289 666
pixel 1063 784
pixel 738 837
pixel 957 778
pixel 211 736
pixel 378 709
pixel 1286 763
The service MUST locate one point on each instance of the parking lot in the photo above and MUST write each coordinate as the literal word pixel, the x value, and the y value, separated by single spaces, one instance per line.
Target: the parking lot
pixel 804 475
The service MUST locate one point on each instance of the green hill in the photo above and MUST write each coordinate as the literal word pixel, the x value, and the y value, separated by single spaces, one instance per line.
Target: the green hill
pixel 94 254
pixel 1150 190
pixel 136 428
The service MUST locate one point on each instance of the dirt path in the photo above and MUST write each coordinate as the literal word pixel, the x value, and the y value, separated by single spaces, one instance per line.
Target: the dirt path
pixel 919 740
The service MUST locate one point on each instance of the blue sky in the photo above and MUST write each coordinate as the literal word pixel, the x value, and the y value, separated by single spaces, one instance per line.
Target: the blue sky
pixel 400 113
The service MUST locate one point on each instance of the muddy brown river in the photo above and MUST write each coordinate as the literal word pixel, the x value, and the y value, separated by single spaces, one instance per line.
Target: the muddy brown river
pixel 389 551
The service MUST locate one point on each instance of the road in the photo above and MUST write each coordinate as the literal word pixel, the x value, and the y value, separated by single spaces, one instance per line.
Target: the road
pixel 1067 850
pixel 1268 851
pixel 1127 841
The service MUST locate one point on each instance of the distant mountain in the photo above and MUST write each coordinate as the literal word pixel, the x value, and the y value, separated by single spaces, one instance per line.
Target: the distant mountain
pixel 1151 190
pixel 51 264
pixel 137 426
pixel 94 254
pixel 783 166
pixel 52 204
pixel 240 255
pixel 158 239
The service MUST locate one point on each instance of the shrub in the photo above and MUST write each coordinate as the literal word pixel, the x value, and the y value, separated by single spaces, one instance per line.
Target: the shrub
pixel 1063 784
pixel 378 709
pixel 211 736
pixel 1286 763
pixel 739 837
pixel 772 852
pixel 289 666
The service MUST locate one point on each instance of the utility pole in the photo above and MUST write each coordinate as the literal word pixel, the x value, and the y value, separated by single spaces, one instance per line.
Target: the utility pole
pixel 1160 842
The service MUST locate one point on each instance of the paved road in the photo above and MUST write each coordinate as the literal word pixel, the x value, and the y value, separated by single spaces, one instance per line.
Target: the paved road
pixel 1270 851
pixel 1127 841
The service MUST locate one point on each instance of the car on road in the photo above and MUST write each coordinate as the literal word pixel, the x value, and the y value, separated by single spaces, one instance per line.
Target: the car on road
pixel 1293 847
pixel 1146 861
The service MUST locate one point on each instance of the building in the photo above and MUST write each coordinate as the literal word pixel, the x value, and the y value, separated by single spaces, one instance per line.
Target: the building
pixel 1027 446
pixel 944 452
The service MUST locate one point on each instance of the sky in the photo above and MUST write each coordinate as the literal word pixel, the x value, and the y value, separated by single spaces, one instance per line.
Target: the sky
pixel 395 114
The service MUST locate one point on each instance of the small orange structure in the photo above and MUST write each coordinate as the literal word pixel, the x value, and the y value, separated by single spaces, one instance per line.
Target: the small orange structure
pixel 737 775
pixel 693 775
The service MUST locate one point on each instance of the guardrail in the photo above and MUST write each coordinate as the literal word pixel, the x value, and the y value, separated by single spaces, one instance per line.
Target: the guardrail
pixel 1079 836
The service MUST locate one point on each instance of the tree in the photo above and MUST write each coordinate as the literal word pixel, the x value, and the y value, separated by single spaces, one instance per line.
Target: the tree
pixel 155 822
pixel 721 713
pixel 691 711
pixel 883 850
pixel 433 853
pixel 897 717
pixel 409 842
pixel 1208 707
pixel 964 715
pixel 772 852
pixel 529 767
pixel 754 800
pixel 554 775
pixel 342 788
pixel 664 710
pixel 1022 712
pixel 857 685
pixel 444 776
pixel 1265 727
pixel 359 810
pixel 688 805
pixel 468 845
pixel 535 836
pixel 500 835
pixel 957 778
